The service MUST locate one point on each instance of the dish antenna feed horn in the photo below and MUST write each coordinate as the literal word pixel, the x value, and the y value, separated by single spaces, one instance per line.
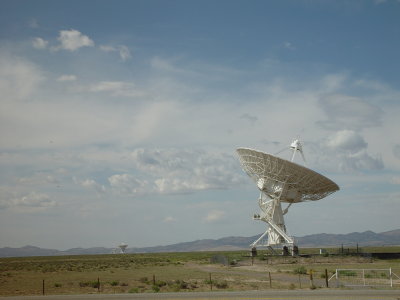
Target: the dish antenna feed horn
pixel 281 181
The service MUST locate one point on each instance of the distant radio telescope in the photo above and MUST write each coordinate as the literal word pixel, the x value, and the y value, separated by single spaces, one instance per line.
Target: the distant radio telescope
pixel 122 247
pixel 278 181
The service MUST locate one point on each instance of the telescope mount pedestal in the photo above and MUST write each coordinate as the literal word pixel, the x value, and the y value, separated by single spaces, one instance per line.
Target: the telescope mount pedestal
pixel 272 214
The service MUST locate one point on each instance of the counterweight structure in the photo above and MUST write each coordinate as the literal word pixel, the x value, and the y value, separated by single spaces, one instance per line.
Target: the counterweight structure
pixel 279 181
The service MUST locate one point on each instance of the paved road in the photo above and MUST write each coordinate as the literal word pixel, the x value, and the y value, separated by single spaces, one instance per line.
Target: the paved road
pixel 323 294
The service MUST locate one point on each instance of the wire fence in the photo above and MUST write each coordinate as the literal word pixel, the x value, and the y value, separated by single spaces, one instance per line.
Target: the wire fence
pixel 365 277
pixel 154 283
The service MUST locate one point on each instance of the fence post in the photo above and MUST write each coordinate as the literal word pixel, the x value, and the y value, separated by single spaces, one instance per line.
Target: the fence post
pixel 326 277
pixel 337 278
pixel 391 277
pixel 154 279
pixel 43 287
pixel 210 283
pixel 270 280
pixel 363 273
pixel 300 280
pixel 98 284
pixel 311 279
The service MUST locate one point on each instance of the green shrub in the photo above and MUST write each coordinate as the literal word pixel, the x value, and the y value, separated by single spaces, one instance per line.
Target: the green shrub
pixel 300 270
pixel 114 283
pixel 155 288
pixel 57 285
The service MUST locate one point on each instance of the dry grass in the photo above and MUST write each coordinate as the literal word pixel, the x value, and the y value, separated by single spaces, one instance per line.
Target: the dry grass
pixel 133 273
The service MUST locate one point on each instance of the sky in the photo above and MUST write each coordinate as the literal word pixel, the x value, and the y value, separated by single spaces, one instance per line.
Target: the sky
pixel 119 120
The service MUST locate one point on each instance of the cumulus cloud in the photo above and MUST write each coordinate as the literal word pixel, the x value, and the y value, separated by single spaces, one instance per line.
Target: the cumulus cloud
pixel 362 161
pixel 31 202
pixel 92 184
pixel 122 50
pixel 172 171
pixel 72 40
pixel 182 171
pixel 214 216
pixel 39 43
pixel 63 78
pixel 347 150
pixel 347 140
pixel 347 112
pixel 35 200
pixel 127 184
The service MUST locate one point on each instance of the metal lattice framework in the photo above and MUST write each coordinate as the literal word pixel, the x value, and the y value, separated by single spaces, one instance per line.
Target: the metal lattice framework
pixel 274 173
pixel 280 180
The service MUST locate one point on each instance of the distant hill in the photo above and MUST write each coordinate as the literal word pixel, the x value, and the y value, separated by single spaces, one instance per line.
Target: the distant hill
pixel 27 251
pixel 36 251
pixel 227 243
pixel 367 238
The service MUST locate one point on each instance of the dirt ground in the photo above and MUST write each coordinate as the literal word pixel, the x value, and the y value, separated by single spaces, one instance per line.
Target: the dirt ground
pixel 175 272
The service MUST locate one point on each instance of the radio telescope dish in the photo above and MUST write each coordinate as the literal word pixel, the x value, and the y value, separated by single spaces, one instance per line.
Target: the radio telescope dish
pixel 122 247
pixel 280 180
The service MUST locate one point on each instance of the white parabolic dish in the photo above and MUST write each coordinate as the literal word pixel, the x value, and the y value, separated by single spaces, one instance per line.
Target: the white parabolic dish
pixel 279 177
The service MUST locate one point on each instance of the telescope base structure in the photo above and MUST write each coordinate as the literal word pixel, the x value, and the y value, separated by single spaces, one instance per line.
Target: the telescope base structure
pixel 272 214
pixel 280 180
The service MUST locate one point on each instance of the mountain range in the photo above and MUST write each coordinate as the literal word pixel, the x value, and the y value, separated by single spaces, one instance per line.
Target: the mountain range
pixel 367 238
